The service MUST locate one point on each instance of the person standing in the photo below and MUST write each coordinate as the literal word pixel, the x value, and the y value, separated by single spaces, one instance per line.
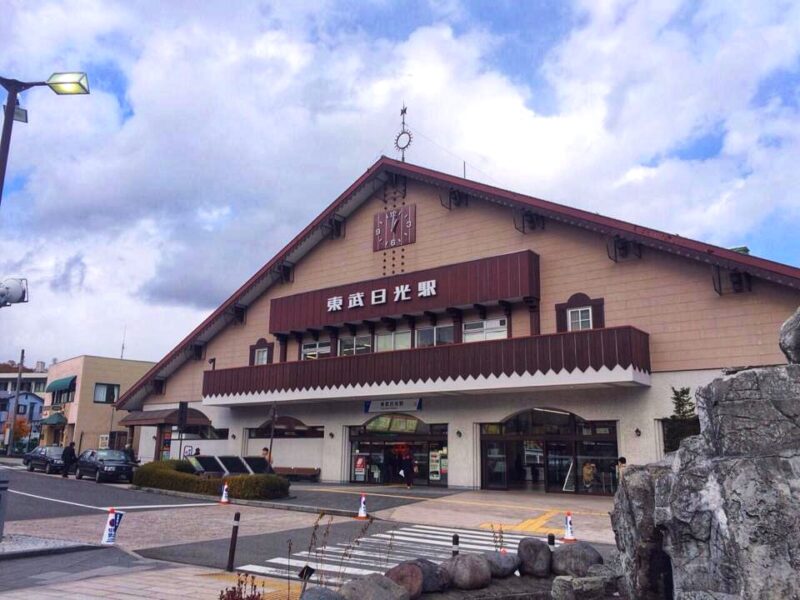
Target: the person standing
pixel 130 453
pixel 407 465
pixel 268 470
pixel 68 457
pixel 622 463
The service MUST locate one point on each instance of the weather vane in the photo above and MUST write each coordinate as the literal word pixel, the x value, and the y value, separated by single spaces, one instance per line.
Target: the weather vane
pixel 403 139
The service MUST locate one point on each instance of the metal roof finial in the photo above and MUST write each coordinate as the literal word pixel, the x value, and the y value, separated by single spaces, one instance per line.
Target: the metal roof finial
pixel 403 139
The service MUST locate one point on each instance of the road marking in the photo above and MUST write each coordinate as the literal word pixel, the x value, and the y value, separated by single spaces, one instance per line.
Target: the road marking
pixel 161 506
pixel 536 525
pixel 447 500
pixel 59 501
pixel 13 467
pixel 380 551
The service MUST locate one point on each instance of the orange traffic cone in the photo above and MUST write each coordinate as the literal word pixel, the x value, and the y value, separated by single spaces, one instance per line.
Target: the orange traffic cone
pixel 569 533
pixel 362 509
pixel 224 499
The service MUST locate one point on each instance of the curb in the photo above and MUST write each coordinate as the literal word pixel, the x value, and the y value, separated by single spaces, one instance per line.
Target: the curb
pixel 48 551
pixel 337 512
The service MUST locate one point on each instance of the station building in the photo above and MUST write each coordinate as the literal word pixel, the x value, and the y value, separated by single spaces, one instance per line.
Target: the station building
pixel 503 340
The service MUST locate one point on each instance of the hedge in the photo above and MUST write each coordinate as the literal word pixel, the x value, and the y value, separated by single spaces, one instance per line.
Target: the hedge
pixel 169 475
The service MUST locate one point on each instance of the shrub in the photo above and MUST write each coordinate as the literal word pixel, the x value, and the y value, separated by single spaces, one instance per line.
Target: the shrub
pixel 165 475
pixel 257 487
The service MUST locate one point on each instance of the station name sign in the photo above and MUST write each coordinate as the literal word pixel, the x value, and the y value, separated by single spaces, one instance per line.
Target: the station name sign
pixel 486 280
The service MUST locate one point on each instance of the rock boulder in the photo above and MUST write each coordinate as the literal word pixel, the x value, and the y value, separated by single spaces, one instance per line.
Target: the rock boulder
pixel 321 593
pixel 535 557
pixel 408 575
pixel 575 559
pixel 373 587
pixel 434 577
pixel 502 564
pixel 720 517
pixel 789 339
pixel 468 571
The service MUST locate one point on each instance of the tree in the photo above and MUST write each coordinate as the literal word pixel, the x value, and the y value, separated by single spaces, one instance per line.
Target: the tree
pixel 682 405
pixel 683 422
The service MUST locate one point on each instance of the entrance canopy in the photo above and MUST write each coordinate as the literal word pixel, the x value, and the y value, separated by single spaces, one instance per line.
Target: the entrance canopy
pixel 55 419
pixel 168 416
pixel 58 385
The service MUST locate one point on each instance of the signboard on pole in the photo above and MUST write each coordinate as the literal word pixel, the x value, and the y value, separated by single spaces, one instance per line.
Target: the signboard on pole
pixel 112 526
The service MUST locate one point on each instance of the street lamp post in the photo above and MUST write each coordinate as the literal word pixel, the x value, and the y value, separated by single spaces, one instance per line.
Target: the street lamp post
pixel 60 83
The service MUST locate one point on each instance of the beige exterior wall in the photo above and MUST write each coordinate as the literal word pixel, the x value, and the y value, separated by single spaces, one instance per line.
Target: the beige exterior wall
pixel 670 297
pixel 693 331
pixel 86 419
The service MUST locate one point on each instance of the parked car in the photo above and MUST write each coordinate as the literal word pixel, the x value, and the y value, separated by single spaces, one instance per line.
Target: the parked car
pixel 104 465
pixel 46 458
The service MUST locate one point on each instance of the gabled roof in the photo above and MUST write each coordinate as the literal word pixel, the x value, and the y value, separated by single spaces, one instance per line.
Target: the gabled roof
pixel 372 180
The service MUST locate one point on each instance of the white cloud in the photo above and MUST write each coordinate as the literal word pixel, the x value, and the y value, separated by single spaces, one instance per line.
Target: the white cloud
pixel 245 123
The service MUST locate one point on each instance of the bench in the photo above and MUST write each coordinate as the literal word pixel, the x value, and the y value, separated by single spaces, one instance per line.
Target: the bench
pixel 297 473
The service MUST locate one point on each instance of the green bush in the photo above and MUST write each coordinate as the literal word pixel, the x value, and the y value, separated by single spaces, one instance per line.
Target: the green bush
pixel 257 487
pixel 168 475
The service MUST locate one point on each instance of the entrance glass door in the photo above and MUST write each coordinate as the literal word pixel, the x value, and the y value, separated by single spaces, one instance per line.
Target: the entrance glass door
pixel 495 465
pixel 560 467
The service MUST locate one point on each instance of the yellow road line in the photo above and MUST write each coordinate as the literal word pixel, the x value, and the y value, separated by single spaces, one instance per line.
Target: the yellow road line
pixel 464 502
pixel 528 526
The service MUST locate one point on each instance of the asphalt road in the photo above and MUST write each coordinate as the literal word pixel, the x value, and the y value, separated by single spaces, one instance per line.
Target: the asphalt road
pixel 348 497
pixel 40 496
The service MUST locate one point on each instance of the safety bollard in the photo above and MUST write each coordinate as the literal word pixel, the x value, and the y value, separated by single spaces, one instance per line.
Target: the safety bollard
pixel 455 544
pixel 234 536
pixel 3 500
pixel 551 540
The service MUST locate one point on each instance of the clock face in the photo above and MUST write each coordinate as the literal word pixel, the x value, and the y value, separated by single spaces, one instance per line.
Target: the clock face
pixel 395 228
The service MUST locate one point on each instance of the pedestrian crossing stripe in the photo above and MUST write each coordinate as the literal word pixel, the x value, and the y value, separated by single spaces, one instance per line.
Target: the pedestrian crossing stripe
pixel 379 552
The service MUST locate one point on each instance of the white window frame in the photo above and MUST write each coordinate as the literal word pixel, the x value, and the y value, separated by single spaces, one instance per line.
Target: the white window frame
pixel 435 329
pixel 261 356
pixel 106 385
pixel 102 442
pixel 485 331
pixel 393 336
pixel 307 347
pixel 579 310
pixel 354 339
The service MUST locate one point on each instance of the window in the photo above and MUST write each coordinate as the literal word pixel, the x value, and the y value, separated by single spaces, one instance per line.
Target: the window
pixel 478 331
pixel 310 431
pixel 3 406
pixel 201 432
pixel 106 393
pixel 102 442
pixel 38 386
pixel 435 336
pixel 360 344
pixel 392 340
pixel 21 409
pixel 261 356
pixel 314 350
pixel 63 396
pixel 579 318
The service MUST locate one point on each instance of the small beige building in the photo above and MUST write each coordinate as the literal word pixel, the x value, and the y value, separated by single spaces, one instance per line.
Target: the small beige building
pixel 79 401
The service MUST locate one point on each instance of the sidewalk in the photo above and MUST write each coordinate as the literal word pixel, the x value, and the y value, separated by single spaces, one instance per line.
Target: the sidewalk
pixel 179 582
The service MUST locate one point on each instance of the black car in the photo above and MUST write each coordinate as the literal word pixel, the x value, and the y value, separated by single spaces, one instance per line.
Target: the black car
pixel 104 465
pixel 46 458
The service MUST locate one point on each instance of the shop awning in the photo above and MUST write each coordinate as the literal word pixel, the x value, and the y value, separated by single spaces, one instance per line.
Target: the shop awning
pixel 168 416
pixel 56 418
pixel 65 383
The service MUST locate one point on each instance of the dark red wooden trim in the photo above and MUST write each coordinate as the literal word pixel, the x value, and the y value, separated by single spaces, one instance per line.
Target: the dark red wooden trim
pixel 580 300
pixel 481 281
pixel 283 342
pixel 570 352
pixel 508 310
pixel 535 317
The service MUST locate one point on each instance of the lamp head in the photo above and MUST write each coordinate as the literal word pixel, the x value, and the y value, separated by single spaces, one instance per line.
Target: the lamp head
pixel 69 83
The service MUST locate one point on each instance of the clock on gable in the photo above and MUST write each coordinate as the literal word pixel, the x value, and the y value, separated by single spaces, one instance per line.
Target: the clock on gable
pixel 395 228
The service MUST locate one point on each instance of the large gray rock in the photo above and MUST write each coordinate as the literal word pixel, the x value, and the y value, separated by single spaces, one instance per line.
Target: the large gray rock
pixel 434 577
pixel 468 571
pixel 720 518
pixel 575 559
pixel 789 339
pixel 373 587
pixel 502 564
pixel 409 576
pixel 535 557
pixel 321 593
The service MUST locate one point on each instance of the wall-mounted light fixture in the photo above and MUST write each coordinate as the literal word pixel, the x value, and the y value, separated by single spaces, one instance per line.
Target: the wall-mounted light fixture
pixel 330 434
pixel 458 433
pixel 233 436
pixel 638 432
pixel 213 363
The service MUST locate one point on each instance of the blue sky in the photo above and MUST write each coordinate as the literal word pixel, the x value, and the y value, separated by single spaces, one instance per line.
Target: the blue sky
pixel 213 127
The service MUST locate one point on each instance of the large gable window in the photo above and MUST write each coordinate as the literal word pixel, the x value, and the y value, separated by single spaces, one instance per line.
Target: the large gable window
pixel 580 312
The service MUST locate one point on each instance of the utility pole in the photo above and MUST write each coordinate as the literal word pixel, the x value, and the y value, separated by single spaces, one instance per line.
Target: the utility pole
pixel 12 410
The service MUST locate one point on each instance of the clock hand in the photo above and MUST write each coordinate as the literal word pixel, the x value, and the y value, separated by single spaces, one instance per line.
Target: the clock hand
pixel 395 221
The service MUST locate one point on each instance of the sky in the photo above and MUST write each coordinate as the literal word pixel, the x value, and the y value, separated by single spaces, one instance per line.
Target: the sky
pixel 215 131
